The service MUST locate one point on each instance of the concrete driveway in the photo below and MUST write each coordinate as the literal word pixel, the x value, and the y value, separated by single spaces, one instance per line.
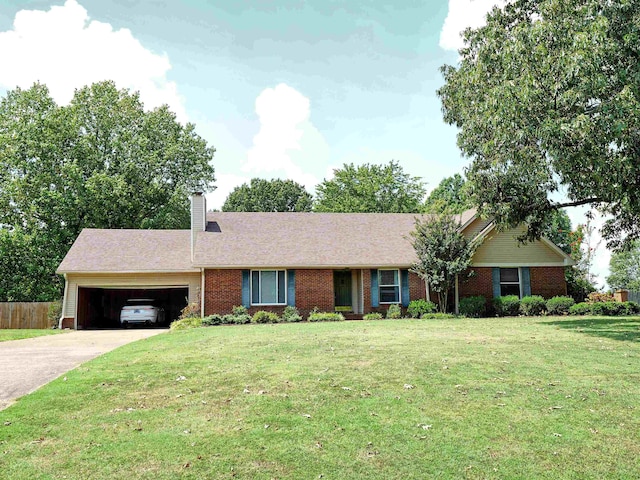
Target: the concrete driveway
pixel 26 365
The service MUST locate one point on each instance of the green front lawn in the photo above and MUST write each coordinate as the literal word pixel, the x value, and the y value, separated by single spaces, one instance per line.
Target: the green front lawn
pixel 18 334
pixel 394 399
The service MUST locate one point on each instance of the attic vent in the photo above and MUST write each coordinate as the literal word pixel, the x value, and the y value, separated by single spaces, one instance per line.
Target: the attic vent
pixel 212 227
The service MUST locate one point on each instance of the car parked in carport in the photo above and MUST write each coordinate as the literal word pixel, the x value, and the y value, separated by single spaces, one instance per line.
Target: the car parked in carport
pixel 141 311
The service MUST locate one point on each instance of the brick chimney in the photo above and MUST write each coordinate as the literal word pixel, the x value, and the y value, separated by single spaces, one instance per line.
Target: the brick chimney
pixel 198 218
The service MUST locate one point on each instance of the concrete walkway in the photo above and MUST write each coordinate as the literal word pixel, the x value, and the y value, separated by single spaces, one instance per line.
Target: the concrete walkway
pixel 26 365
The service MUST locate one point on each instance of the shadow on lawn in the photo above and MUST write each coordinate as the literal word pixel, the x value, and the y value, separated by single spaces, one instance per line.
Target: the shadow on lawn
pixel 615 328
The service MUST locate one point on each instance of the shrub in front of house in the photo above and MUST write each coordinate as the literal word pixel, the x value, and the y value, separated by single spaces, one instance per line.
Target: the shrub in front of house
pixel 419 307
pixel 394 311
pixel 211 320
pixel 607 308
pixel 232 319
pixel 559 305
pixel 192 310
pixel 262 316
pixel 615 308
pixel 599 297
pixel 507 306
pixel 475 306
pixel 291 314
pixel 239 310
pixel 372 316
pixel 239 316
pixel 54 312
pixel 532 305
pixel 186 323
pixel 631 308
pixel 582 308
pixel 325 317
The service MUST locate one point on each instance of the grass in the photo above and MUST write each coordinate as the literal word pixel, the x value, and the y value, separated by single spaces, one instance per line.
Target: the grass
pixel 18 334
pixel 526 398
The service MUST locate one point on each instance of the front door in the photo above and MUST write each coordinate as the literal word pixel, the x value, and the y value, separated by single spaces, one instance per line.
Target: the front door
pixel 342 290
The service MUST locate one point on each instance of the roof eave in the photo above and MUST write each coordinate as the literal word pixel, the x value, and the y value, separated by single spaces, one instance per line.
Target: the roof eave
pixel 126 272
pixel 303 267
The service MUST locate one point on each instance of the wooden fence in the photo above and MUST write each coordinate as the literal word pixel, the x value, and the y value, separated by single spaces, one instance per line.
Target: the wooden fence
pixel 634 296
pixel 24 315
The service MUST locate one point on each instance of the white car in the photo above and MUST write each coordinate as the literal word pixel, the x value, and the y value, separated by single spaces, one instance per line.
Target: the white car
pixel 141 311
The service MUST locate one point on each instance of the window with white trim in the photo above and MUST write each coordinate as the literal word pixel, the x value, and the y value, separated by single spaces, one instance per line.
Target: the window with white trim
pixel 268 287
pixel 389 286
pixel 510 282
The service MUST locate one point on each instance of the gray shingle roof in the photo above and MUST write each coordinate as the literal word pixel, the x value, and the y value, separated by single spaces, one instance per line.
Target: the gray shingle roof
pixel 252 240
pixel 100 250
pixel 308 240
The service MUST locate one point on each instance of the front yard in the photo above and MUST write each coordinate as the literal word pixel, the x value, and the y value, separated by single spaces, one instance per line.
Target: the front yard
pixel 18 334
pixel 491 398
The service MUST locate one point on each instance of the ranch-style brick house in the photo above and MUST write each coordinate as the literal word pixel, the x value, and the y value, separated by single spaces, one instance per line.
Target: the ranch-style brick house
pixel 351 262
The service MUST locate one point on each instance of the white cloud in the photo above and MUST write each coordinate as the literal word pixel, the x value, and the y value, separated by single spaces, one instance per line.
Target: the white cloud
pixel 64 49
pixel 287 141
pixel 224 186
pixel 463 14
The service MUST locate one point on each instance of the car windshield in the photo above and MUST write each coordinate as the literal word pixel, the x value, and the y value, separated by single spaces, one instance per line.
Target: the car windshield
pixel 140 301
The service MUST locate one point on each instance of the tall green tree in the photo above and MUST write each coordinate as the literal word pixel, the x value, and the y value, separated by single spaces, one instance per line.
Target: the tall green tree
pixel 547 95
pixel 443 254
pixel 274 195
pixel 624 268
pixel 451 195
pixel 102 161
pixel 558 230
pixel 370 188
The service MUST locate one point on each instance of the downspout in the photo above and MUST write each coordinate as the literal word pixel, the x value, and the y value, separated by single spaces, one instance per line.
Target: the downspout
pixel 202 292
pixel 64 301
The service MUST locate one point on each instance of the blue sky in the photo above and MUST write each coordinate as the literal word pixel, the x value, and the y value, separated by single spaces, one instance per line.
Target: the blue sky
pixel 287 89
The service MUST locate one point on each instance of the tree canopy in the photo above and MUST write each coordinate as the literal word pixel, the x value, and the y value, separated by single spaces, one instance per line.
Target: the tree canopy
pixel 370 188
pixel 449 196
pixel 269 196
pixel 453 195
pixel 624 268
pixel 443 253
pixel 102 162
pixel 547 98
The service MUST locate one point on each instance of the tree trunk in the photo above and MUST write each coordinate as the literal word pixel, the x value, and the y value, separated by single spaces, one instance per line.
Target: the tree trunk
pixel 443 298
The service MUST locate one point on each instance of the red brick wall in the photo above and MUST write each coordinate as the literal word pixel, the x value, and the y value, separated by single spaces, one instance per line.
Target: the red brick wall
pixel 416 287
pixel 548 281
pixel 416 291
pixel 68 322
pixel 481 283
pixel 366 290
pixel 545 281
pixel 314 288
pixel 223 290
